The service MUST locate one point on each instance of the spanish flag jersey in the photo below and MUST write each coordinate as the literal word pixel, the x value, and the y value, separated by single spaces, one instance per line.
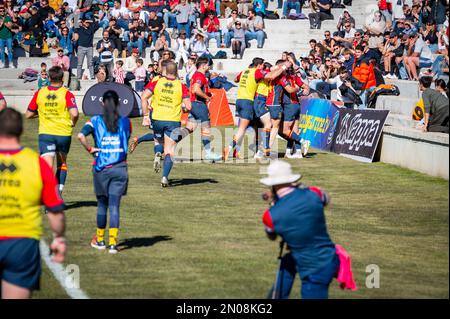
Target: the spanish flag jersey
pixel 248 83
pixel 53 104
pixel 26 181
pixel 168 95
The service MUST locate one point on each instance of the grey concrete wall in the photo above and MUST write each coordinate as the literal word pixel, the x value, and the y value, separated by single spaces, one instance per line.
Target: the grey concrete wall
pixel 423 152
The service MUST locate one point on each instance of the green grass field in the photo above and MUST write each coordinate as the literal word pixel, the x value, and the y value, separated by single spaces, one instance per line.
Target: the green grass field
pixel 203 237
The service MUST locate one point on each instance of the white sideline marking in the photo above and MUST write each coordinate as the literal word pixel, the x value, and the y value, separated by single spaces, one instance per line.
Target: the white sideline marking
pixel 59 273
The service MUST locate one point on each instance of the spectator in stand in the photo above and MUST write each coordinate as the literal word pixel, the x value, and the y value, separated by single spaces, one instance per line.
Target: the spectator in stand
pixel 418 56
pixel 62 61
pixel 121 14
pixel 198 45
pixel 43 79
pixel 385 8
pixel 84 35
pixel 206 6
pixel 135 36
pixel 157 27
pixel 363 72
pixel 346 36
pixel 105 48
pixel 289 5
pixel 439 12
pixel 118 73
pixel 86 10
pixel 227 4
pixel 391 49
pixel 228 30
pixel 115 36
pixel 140 74
pixel 130 65
pixel 6 38
pixel 182 48
pixel 44 10
pixel 243 7
pixel 212 27
pixel 324 13
pixel 64 37
pixel 161 47
pixel 155 5
pixel 259 7
pixel 431 36
pixel 345 18
pixel 104 15
pixel 238 41
pixel 255 29
pixel 328 43
pixel 183 11
pixel 170 13
pixel 436 107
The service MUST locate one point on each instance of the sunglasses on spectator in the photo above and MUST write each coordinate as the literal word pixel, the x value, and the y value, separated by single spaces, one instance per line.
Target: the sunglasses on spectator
pixel 347 26
pixel 327 34
pixel 357 34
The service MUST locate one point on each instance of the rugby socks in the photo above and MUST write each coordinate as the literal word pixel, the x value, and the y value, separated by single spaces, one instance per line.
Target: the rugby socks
pixel 146 138
pixel 266 141
pixel 289 146
pixel 102 206
pixel 61 175
pixel 206 141
pixel 295 136
pixel 113 233
pixel 158 148
pixel 100 234
pixel 114 218
pixel 297 146
pixel 167 165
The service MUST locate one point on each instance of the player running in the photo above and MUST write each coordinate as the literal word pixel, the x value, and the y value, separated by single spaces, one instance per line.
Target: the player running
pixel 168 95
pixel 147 111
pixel 111 133
pixel 200 97
pixel 26 182
pixel 58 113
pixel 248 82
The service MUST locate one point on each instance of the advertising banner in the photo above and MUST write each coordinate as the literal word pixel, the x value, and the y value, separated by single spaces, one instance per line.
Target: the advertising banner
pixel 318 121
pixel 358 132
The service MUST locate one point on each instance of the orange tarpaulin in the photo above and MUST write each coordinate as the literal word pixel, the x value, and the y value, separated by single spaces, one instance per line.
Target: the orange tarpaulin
pixel 219 110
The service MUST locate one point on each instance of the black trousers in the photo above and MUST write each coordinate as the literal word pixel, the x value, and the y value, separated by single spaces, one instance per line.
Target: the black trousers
pixel 316 18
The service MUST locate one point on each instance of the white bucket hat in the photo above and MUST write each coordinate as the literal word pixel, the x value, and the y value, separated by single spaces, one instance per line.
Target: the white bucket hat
pixel 279 172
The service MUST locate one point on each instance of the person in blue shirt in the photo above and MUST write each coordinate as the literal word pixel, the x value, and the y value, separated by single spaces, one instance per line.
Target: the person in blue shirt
pixel 259 7
pixel 111 133
pixel 297 215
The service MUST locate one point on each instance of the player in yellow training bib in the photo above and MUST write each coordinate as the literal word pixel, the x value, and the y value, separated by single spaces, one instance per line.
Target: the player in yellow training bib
pixel 168 97
pixel 26 182
pixel 58 113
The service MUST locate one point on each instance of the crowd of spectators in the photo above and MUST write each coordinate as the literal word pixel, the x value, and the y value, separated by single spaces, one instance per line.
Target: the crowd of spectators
pixel 399 40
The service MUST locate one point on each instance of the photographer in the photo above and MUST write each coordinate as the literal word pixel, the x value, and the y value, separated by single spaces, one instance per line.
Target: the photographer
pixel 105 48
pixel 297 215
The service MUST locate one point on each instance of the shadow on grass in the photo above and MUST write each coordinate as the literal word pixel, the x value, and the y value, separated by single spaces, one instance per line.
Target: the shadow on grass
pixel 191 181
pixel 87 203
pixel 137 242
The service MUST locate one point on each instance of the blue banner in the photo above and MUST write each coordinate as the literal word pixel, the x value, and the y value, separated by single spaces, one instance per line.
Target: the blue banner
pixel 318 121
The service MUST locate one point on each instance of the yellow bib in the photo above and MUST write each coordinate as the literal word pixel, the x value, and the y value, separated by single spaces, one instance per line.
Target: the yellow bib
pixel 20 195
pixel 167 99
pixel 263 88
pixel 247 85
pixel 54 117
